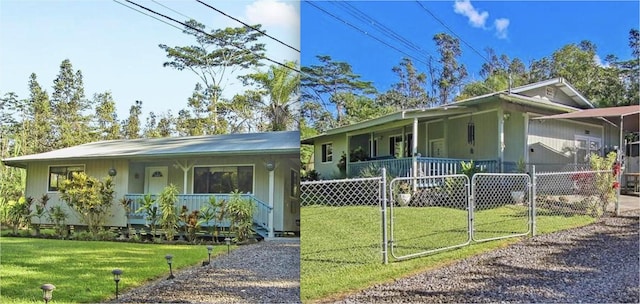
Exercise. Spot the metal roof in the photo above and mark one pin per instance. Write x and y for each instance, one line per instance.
(629, 114)
(240, 143)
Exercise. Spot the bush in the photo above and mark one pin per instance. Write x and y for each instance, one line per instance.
(90, 198)
(58, 217)
(240, 214)
(170, 216)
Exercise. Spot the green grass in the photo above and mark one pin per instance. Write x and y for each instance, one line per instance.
(81, 270)
(341, 246)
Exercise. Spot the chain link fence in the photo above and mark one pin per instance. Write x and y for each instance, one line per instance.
(428, 214)
(341, 221)
(501, 206)
(563, 198)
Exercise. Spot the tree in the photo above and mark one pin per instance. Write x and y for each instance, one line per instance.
(326, 81)
(452, 73)
(39, 118)
(276, 95)
(131, 126)
(71, 125)
(212, 57)
(106, 118)
(409, 92)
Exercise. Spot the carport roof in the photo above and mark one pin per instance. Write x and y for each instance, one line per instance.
(229, 144)
(629, 114)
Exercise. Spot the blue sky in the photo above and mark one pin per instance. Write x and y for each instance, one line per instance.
(117, 49)
(527, 30)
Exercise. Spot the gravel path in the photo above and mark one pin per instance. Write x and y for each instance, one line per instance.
(265, 272)
(596, 264)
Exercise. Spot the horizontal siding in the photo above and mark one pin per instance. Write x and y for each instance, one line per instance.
(553, 140)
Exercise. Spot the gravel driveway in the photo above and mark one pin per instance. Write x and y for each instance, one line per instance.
(265, 272)
(596, 264)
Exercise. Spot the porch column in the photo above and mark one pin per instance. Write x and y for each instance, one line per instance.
(414, 149)
(501, 139)
(185, 169)
(619, 156)
(271, 194)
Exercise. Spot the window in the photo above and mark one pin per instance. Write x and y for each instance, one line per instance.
(586, 145)
(327, 153)
(223, 179)
(398, 148)
(57, 174)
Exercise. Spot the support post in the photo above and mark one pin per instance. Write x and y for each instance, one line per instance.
(501, 139)
(533, 200)
(383, 203)
(271, 195)
(619, 159)
(414, 152)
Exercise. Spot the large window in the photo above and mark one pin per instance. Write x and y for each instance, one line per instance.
(221, 179)
(398, 148)
(327, 153)
(586, 145)
(57, 174)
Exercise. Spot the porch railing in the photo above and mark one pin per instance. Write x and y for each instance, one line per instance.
(196, 202)
(427, 166)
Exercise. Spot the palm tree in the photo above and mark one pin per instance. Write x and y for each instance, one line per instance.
(276, 95)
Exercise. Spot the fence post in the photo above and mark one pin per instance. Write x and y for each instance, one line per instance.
(383, 201)
(533, 200)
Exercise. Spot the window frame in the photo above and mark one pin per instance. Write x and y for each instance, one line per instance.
(324, 157)
(193, 176)
(84, 169)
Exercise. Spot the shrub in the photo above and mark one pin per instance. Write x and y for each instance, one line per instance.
(41, 210)
(19, 213)
(58, 217)
(90, 198)
(212, 214)
(240, 214)
(169, 219)
(152, 214)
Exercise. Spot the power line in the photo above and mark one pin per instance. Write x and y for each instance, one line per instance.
(177, 12)
(363, 31)
(452, 32)
(211, 36)
(247, 25)
(154, 17)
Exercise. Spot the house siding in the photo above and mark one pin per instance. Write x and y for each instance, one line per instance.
(514, 137)
(329, 170)
(486, 136)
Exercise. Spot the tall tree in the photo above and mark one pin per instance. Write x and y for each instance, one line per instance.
(409, 91)
(106, 118)
(71, 124)
(452, 72)
(131, 126)
(39, 118)
(324, 84)
(277, 92)
(214, 55)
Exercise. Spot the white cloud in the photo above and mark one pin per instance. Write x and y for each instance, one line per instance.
(502, 24)
(599, 62)
(272, 13)
(476, 18)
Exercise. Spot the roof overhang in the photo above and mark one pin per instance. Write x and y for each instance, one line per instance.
(628, 115)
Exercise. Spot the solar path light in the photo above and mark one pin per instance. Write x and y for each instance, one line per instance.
(169, 259)
(47, 292)
(116, 278)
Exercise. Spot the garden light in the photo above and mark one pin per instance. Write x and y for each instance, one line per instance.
(116, 278)
(209, 250)
(228, 241)
(169, 259)
(47, 292)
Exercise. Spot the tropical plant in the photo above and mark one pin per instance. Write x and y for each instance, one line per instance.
(58, 217)
(240, 215)
(19, 213)
(212, 214)
(152, 214)
(170, 216)
(605, 182)
(90, 198)
(126, 204)
(469, 169)
(41, 210)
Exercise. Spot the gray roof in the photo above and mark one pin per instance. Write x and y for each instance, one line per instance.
(241, 143)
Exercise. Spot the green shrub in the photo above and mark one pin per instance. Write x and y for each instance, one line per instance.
(170, 216)
(90, 198)
(240, 214)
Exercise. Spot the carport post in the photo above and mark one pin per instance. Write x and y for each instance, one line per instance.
(271, 194)
(619, 156)
(533, 200)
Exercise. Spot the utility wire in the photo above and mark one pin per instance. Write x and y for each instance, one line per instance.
(210, 36)
(177, 12)
(452, 32)
(154, 17)
(364, 32)
(247, 25)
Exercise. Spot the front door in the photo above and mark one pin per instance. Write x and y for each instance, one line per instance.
(156, 179)
(292, 203)
(437, 148)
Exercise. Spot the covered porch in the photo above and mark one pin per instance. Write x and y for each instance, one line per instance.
(426, 166)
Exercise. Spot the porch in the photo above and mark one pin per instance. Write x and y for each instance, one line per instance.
(425, 166)
(262, 216)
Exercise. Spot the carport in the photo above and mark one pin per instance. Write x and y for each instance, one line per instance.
(625, 118)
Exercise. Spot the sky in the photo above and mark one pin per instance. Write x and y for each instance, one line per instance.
(116, 48)
(525, 29)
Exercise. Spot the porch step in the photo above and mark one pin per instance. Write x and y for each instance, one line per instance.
(260, 232)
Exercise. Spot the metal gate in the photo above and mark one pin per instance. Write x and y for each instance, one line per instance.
(501, 206)
(436, 213)
(428, 214)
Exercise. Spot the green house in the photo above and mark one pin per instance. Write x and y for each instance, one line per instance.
(496, 130)
(263, 167)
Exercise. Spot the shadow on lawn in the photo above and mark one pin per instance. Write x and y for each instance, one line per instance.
(565, 273)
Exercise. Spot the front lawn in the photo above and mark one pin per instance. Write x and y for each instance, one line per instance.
(341, 246)
(81, 270)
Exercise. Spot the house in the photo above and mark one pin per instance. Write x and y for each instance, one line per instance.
(496, 130)
(264, 167)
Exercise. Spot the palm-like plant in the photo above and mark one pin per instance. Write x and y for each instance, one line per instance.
(170, 215)
(151, 212)
(212, 214)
